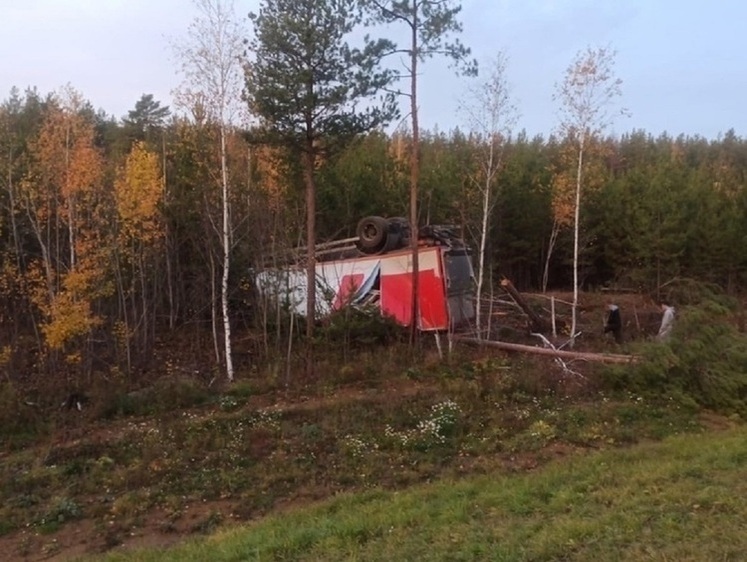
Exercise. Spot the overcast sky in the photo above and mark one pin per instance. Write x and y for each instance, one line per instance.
(683, 62)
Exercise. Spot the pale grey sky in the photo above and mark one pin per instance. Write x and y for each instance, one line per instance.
(683, 62)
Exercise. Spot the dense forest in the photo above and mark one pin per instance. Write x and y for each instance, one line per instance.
(111, 237)
(125, 235)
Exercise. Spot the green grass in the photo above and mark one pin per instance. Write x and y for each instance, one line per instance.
(470, 417)
(681, 499)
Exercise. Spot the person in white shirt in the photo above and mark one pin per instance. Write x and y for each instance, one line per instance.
(667, 321)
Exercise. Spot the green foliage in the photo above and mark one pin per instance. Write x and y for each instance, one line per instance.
(241, 390)
(62, 510)
(667, 209)
(523, 217)
(703, 364)
(147, 117)
(165, 395)
(433, 430)
(304, 79)
(365, 179)
(446, 162)
(433, 23)
(684, 291)
(21, 420)
(355, 327)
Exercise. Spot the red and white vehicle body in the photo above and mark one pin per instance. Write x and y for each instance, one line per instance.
(384, 280)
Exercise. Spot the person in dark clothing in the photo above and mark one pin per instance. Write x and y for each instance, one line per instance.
(614, 322)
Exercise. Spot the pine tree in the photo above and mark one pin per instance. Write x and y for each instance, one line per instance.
(306, 83)
(429, 25)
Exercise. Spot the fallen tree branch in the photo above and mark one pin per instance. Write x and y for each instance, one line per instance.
(559, 360)
(538, 324)
(599, 357)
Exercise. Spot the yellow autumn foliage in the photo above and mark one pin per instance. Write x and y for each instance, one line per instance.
(564, 180)
(70, 318)
(65, 201)
(69, 314)
(268, 164)
(139, 192)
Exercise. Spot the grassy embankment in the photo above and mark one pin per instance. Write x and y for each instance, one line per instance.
(677, 500)
(180, 459)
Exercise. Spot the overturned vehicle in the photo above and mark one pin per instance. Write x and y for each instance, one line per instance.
(374, 269)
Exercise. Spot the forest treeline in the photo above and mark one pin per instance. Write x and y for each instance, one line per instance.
(111, 236)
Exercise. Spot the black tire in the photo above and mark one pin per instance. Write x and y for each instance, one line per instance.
(372, 234)
(393, 242)
(399, 232)
(399, 224)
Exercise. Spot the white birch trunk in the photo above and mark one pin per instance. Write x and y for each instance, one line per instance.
(550, 248)
(483, 236)
(586, 95)
(213, 305)
(213, 75)
(492, 115)
(576, 216)
(226, 257)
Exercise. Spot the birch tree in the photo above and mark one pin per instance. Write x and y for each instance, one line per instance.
(563, 188)
(138, 193)
(563, 202)
(588, 104)
(491, 115)
(430, 25)
(66, 207)
(211, 66)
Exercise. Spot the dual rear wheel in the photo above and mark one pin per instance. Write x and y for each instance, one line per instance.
(377, 235)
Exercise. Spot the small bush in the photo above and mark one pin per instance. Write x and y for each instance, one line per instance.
(241, 390)
(432, 431)
(63, 510)
(165, 395)
(357, 328)
(693, 292)
(21, 421)
(228, 403)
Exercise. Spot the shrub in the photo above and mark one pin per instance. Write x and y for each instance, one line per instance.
(165, 395)
(684, 291)
(703, 364)
(21, 421)
(64, 509)
(360, 327)
(432, 431)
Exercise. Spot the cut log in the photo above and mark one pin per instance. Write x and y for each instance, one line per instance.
(538, 324)
(585, 356)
